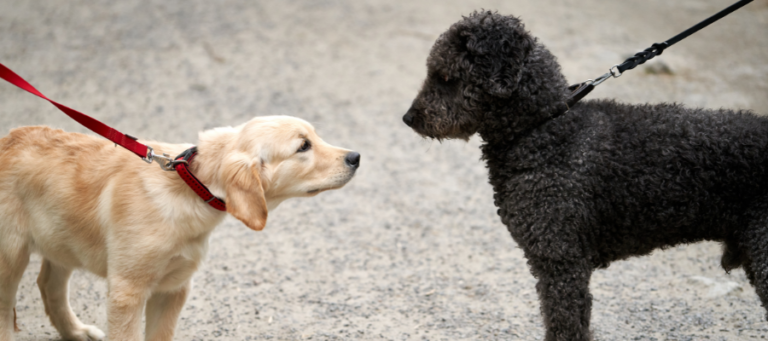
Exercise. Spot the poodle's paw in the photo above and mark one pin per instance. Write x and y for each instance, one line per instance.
(85, 333)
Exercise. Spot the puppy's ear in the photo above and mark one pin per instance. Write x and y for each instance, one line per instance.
(245, 193)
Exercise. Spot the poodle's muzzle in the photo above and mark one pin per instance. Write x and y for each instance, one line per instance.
(409, 116)
(415, 120)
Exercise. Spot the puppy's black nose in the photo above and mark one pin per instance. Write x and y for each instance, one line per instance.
(408, 117)
(353, 159)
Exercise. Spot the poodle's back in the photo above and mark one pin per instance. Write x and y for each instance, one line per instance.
(647, 175)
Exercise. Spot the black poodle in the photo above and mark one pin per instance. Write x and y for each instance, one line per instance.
(602, 182)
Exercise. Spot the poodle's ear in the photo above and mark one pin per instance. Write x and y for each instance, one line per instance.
(498, 47)
(245, 193)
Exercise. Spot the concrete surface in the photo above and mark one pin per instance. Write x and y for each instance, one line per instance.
(412, 248)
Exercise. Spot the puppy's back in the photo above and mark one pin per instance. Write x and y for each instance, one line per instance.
(43, 159)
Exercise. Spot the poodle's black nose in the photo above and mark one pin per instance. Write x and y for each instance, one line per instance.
(353, 159)
(408, 117)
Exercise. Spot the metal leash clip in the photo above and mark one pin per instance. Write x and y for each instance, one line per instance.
(603, 78)
(615, 72)
(165, 161)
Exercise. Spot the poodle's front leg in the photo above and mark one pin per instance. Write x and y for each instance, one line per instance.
(563, 289)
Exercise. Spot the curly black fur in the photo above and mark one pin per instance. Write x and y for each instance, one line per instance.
(603, 182)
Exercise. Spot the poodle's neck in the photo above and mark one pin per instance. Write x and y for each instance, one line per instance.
(542, 91)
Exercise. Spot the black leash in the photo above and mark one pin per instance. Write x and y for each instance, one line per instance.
(578, 91)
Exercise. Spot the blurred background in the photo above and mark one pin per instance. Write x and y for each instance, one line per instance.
(412, 248)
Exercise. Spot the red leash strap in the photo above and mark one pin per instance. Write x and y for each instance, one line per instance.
(87, 121)
(145, 152)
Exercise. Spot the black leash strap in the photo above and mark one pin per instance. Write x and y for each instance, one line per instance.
(578, 91)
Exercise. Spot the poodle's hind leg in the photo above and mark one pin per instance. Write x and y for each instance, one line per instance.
(566, 303)
(755, 245)
(53, 282)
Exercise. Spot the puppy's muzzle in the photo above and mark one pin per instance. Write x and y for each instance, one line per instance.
(352, 160)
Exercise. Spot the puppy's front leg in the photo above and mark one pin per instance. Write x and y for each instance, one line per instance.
(162, 312)
(127, 297)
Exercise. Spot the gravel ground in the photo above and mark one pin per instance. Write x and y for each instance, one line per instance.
(412, 247)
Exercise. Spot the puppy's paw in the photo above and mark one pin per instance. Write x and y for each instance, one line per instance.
(95, 334)
(86, 333)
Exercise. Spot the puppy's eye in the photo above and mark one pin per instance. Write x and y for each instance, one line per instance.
(304, 146)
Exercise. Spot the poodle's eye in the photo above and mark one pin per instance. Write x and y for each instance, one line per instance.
(441, 78)
(304, 146)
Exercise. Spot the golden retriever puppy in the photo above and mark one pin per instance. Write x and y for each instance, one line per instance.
(82, 203)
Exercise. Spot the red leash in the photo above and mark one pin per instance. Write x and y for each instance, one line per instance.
(126, 141)
(89, 122)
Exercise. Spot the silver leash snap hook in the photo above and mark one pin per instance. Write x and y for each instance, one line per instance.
(165, 161)
(615, 73)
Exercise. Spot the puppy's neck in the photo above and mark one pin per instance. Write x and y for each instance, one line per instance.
(212, 147)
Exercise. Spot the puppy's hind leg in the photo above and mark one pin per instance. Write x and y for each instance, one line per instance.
(14, 258)
(53, 282)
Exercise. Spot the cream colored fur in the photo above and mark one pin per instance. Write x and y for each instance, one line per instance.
(80, 202)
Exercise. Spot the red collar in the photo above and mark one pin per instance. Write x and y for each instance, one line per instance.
(181, 164)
